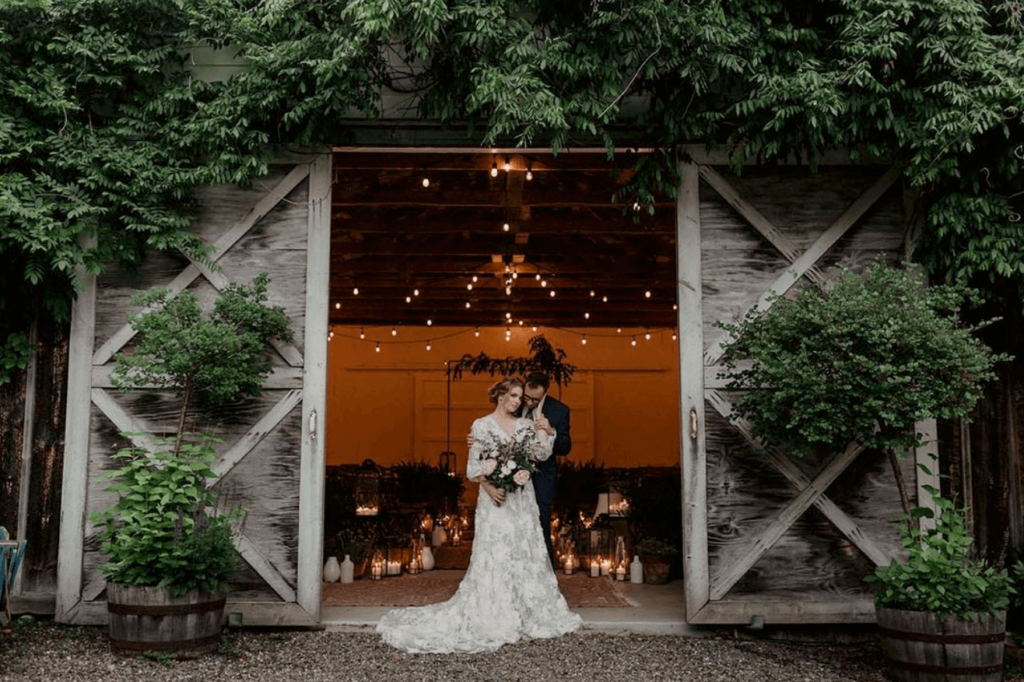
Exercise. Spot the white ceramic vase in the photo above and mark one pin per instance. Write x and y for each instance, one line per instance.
(428, 558)
(636, 570)
(332, 570)
(347, 570)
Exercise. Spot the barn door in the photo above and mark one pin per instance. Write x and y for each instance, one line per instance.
(271, 459)
(767, 538)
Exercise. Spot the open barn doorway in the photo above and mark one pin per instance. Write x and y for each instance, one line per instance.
(440, 254)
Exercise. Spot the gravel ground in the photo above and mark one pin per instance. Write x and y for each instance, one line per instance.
(45, 652)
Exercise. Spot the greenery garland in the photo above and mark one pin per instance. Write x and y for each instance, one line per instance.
(105, 132)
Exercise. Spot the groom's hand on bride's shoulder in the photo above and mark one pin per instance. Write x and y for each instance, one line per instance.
(470, 440)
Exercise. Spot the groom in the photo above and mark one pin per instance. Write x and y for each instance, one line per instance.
(537, 403)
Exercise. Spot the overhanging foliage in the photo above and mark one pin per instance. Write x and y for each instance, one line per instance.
(104, 132)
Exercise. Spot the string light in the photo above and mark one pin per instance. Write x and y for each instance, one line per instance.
(675, 306)
(647, 294)
(604, 299)
(633, 341)
(361, 334)
(467, 305)
(534, 327)
(647, 336)
(428, 344)
(529, 170)
(355, 291)
(584, 340)
(415, 292)
(619, 330)
(592, 294)
(394, 332)
(429, 322)
(586, 316)
(469, 287)
(476, 332)
(508, 164)
(475, 278)
(674, 337)
(426, 182)
(537, 277)
(408, 299)
(337, 306)
(376, 348)
(543, 283)
(505, 227)
(494, 169)
(508, 316)
(552, 293)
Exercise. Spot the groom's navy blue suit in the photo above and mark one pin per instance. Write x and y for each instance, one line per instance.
(544, 481)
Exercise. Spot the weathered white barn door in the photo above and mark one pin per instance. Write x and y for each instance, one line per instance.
(271, 460)
(768, 538)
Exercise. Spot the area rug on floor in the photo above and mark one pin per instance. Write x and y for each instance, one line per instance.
(430, 587)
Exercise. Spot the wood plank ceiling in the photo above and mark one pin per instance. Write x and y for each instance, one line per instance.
(412, 231)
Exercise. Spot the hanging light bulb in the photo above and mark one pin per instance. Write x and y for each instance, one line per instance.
(429, 322)
(520, 323)
(505, 227)
(675, 306)
(537, 277)
(619, 330)
(361, 334)
(529, 170)
(674, 336)
(376, 348)
(584, 340)
(408, 299)
(468, 305)
(552, 293)
(475, 279)
(337, 306)
(637, 207)
(647, 336)
(633, 341)
(394, 332)
(428, 344)
(508, 290)
(415, 292)
(469, 287)
(355, 291)
(508, 316)
(476, 332)
(543, 283)
(494, 169)
(426, 182)
(592, 293)
(604, 299)
(647, 294)
(508, 164)
(534, 327)
(586, 316)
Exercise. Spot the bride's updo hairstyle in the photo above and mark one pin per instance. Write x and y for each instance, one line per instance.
(501, 388)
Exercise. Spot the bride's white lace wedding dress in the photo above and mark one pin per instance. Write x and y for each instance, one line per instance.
(509, 591)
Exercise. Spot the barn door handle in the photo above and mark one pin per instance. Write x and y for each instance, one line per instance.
(312, 425)
(693, 423)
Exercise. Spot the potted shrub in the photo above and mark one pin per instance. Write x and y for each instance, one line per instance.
(170, 549)
(941, 612)
(657, 555)
(862, 361)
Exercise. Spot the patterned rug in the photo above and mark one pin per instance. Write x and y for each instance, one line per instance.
(430, 587)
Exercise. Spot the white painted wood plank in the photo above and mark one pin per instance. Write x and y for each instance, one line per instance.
(219, 248)
(801, 265)
(137, 429)
(28, 425)
(928, 456)
(254, 436)
(76, 450)
(314, 404)
(757, 220)
(94, 588)
(693, 462)
(280, 378)
(847, 526)
(787, 612)
(264, 568)
(734, 564)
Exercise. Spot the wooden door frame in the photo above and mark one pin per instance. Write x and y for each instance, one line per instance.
(704, 595)
(308, 369)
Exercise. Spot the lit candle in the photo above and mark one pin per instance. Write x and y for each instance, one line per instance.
(620, 572)
(569, 564)
(606, 566)
(595, 568)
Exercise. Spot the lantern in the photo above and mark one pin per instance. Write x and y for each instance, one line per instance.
(367, 489)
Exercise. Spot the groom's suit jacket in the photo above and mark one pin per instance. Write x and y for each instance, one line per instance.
(557, 413)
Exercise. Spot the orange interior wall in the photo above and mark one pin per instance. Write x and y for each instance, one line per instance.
(392, 405)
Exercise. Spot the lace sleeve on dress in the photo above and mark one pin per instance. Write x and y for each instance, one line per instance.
(473, 460)
(542, 446)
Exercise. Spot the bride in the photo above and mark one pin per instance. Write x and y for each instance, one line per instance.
(509, 591)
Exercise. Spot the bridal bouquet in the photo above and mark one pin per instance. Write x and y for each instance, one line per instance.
(509, 465)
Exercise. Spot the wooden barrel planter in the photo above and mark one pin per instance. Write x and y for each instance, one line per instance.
(656, 569)
(150, 619)
(919, 646)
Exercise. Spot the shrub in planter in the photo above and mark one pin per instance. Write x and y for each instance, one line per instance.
(170, 550)
(941, 611)
(657, 556)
